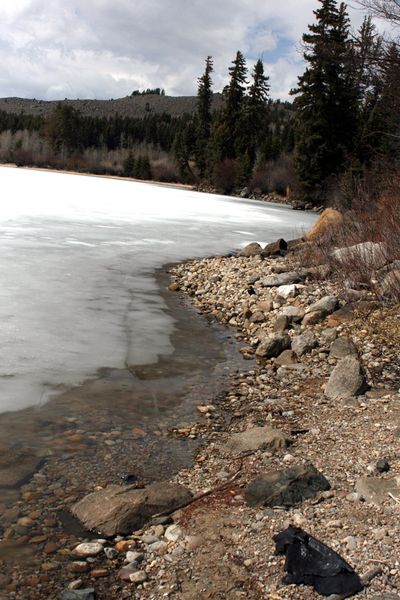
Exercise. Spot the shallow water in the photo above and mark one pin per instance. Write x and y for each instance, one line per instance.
(77, 262)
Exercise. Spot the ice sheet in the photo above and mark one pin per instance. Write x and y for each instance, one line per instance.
(77, 261)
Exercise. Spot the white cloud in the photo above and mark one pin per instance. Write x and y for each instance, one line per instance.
(107, 48)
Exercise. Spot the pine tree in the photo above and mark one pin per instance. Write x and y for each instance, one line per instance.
(129, 165)
(204, 117)
(226, 131)
(326, 101)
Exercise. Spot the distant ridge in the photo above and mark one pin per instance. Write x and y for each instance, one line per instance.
(130, 106)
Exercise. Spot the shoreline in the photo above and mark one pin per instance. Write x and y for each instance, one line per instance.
(223, 545)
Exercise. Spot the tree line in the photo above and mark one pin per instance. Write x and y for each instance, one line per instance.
(342, 127)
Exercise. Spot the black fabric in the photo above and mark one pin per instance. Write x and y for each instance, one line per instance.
(310, 562)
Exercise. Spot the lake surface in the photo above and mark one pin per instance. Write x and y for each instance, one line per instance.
(78, 256)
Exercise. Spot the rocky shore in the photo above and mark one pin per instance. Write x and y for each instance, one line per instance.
(308, 436)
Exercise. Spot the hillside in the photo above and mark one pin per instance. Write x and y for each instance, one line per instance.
(130, 106)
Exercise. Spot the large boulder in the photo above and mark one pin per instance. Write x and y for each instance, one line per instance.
(17, 466)
(326, 305)
(256, 438)
(273, 345)
(343, 347)
(367, 255)
(329, 219)
(286, 488)
(294, 313)
(347, 379)
(304, 343)
(119, 511)
(282, 279)
(376, 491)
(275, 248)
(253, 249)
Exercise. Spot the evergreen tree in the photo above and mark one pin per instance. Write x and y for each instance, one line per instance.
(129, 165)
(227, 128)
(326, 100)
(204, 117)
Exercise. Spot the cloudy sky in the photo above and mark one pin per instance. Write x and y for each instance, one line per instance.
(53, 49)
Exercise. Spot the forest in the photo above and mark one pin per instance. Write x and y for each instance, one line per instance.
(339, 135)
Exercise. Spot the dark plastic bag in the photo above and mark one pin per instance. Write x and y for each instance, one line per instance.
(310, 562)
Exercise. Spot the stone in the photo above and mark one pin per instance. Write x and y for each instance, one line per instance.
(173, 533)
(329, 335)
(124, 545)
(304, 343)
(343, 347)
(17, 466)
(125, 573)
(97, 573)
(312, 318)
(281, 324)
(287, 291)
(256, 438)
(282, 279)
(257, 317)
(382, 465)
(264, 306)
(88, 549)
(138, 577)
(78, 566)
(375, 490)
(287, 487)
(83, 594)
(273, 346)
(110, 553)
(369, 255)
(390, 285)
(275, 248)
(118, 510)
(326, 305)
(294, 314)
(252, 249)
(288, 357)
(347, 379)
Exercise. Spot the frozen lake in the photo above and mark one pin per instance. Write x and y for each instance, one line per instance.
(77, 261)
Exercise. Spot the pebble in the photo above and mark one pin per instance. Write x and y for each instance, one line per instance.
(138, 577)
(173, 533)
(88, 549)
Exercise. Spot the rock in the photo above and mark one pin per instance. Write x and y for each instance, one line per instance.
(85, 594)
(350, 310)
(252, 249)
(329, 335)
(294, 314)
(282, 279)
(275, 248)
(288, 357)
(368, 255)
(390, 285)
(382, 465)
(132, 556)
(98, 573)
(287, 291)
(110, 553)
(329, 219)
(327, 305)
(273, 346)
(256, 438)
(16, 466)
(313, 318)
(173, 533)
(281, 324)
(343, 347)
(78, 566)
(264, 306)
(88, 549)
(347, 379)
(286, 488)
(257, 317)
(125, 573)
(376, 491)
(117, 510)
(138, 577)
(304, 343)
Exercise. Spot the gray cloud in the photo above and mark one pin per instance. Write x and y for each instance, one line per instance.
(107, 48)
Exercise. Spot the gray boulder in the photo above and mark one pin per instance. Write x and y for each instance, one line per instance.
(252, 249)
(281, 324)
(273, 346)
(287, 358)
(369, 255)
(347, 379)
(256, 438)
(85, 594)
(294, 313)
(286, 488)
(375, 490)
(275, 248)
(326, 306)
(282, 279)
(343, 347)
(121, 510)
(304, 343)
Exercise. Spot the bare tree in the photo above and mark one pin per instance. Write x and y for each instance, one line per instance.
(384, 9)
